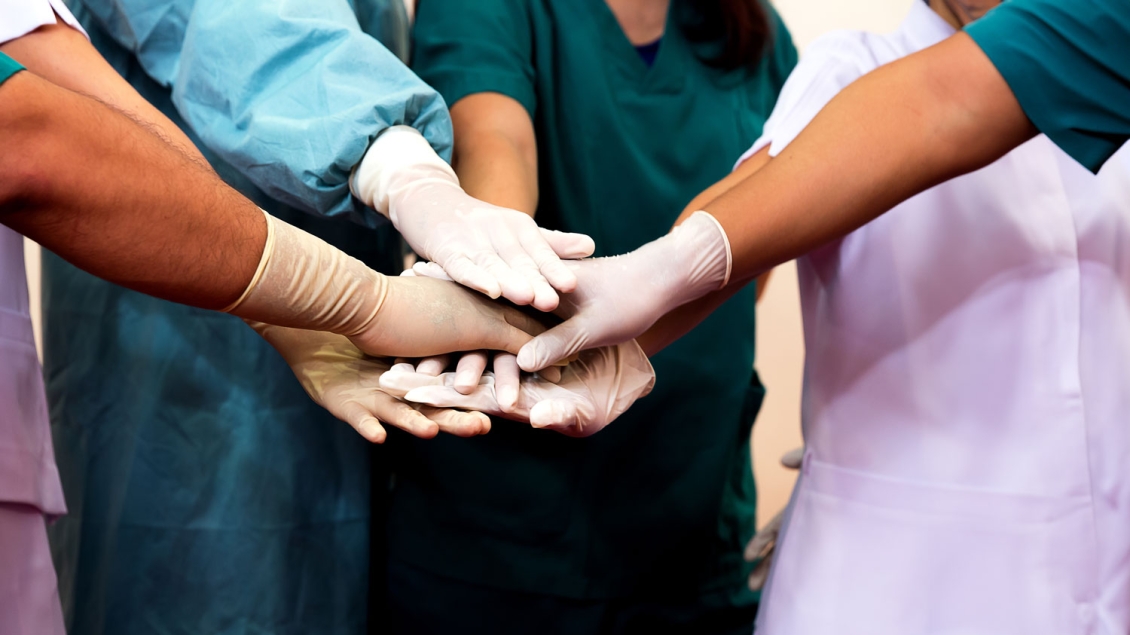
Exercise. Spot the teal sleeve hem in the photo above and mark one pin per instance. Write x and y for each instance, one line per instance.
(1062, 72)
(291, 93)
(455, 84)
(8, 67)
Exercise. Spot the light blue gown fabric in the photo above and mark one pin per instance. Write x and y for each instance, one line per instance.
(208, 495)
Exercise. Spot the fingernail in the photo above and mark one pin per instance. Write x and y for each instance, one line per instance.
(372, 430)
(465, 382)
(527, 357)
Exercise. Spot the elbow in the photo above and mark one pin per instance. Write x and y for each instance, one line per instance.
(24, 175)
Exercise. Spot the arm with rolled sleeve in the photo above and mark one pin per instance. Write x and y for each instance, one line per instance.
(291, 93)
(298, 98)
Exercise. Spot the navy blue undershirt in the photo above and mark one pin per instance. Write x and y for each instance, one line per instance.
(649, 51)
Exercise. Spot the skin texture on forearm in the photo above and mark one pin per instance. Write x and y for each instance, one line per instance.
(62, 56)
(680, 321)
(114, 199)
(898, 131)
(496, 151)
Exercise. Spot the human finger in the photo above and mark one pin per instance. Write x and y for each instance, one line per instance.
(760, 574)
(545, 296)
(513, 285)
(548, 262)
(399, 382)
(793, 458)
(469, 370)
(482, 399)
(764, 538)
(559, 414)
(433, 366)
(469, 274)
(559, 342)
(568, 246)
(457, 422)
(365, 414)
(507, 377)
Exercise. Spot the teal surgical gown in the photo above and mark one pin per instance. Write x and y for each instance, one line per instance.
(208, 495)
(1068, 63)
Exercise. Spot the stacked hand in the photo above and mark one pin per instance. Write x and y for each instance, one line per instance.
(577, 400)
(619, 298)
(346, 382)
(498, 251)
(303, 282)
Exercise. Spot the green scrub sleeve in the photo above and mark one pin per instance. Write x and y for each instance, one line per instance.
(461, 48)
(1068, 63)
(8, 67)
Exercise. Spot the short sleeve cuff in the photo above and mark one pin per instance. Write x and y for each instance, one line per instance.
(8, 67)
(457, 84)
(1066, 92)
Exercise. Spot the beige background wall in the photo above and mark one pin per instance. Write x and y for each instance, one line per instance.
(779, 341)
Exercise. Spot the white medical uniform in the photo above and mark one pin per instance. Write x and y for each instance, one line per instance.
(966, 406)
(30, 491)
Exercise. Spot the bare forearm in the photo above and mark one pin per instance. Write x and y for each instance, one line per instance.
(680, 321)
(495, 151)
(113, 198)
(62, 56)
(896, 132)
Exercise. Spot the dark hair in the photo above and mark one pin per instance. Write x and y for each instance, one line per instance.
(739, 29)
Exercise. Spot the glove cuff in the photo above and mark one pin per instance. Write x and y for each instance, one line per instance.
(399, 157)
(702, 250)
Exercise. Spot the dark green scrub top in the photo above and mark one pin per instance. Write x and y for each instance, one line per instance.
(663, 499)
(1068, 63)
(8, 67)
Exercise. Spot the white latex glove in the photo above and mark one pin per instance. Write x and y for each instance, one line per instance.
(762, 546)
(346, 382)
(492, 249)
(619, 298)
(303, 282)
(592, 391)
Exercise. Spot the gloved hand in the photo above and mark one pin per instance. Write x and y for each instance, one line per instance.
(762, 546)
(492, 249)
(346, 382)
(618, 298)
(590, 393)
(303, 282)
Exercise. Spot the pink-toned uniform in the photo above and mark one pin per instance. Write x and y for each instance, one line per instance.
(966, 406)
(30, 491)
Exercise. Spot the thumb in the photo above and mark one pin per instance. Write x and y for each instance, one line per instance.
(557, 343)
(568, 246)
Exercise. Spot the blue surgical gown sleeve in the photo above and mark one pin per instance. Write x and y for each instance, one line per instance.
(290, 92)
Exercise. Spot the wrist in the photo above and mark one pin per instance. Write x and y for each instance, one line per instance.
(396, 162)
(700, 254)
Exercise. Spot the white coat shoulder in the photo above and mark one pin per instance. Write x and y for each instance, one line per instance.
(20, 17)
(835, 60)
(828, 65)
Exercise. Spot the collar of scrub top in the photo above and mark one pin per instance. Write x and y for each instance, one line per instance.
(924, 27)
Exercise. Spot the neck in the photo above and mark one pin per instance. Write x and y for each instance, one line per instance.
(941, 8)
(643, 21)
